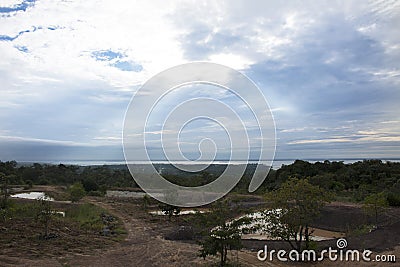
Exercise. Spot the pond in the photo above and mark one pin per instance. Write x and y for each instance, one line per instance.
(33, 195)
(258, 221)
(182, 212)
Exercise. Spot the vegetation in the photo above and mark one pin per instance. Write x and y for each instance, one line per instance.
(76, 192)
(374, 204)
(44, 213)
(295, 205)
(169, 210)
(353, 182)
(4, 191)
(226, 235)
(295, 202)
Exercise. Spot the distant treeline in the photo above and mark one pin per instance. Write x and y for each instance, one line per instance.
(356, 180)
(92, 177)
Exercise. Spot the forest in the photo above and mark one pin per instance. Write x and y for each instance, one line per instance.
(351, 182)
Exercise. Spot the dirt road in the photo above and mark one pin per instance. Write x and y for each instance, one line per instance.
(144, 246)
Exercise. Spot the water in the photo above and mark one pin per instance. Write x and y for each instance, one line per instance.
(33, 195)
(258, 229)
(182, 212)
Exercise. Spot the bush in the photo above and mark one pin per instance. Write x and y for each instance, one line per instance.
(76, 192)
(90, 185)
(393, 199)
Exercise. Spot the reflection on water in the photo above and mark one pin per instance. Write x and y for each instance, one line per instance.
(259, 222)
(33, 195)
(183, 212)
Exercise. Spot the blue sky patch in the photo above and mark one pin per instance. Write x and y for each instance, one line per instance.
(23, 6)
(116, 60)
(127, 66)
(107, 55)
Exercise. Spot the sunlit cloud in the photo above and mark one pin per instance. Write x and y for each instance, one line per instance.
(329, 70)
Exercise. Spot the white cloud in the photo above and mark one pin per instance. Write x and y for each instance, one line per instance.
(308, 57)
(234, 61)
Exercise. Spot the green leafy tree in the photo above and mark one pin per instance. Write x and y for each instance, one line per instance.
(4, 191)
(76, 192)
(220, 240)
(375, 204)
(90, 184)
(295, 204)
(223, 237)
(44, 214)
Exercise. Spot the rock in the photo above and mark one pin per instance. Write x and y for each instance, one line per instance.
(106, 231)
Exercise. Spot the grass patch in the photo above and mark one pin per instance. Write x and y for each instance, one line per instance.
(87, 215)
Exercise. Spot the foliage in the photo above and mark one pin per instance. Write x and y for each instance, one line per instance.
(44, 214)
(393, 199)
(355, 181)
(295, 205)
(87, 215)
(76, 192)
(374, 204)
(4, 191)
(89, 184)
(225, 236)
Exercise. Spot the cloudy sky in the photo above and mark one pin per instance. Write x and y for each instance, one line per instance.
(329, 70)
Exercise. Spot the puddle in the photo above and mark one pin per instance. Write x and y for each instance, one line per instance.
(183, 212)
(33, 195)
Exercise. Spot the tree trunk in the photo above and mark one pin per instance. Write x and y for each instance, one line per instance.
(298, 242)
(222, 263)
(307, 236)
(46, 229)
(225, 254)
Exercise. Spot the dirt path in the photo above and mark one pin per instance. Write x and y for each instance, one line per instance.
(144, 247)
(141, 247)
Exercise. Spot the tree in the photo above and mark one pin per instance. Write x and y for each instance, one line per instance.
(221, 239)
(225, 236)
(374, 204)
(76, 192)
(4, 190)
(295, 205)
(90, 184)
(44, 214)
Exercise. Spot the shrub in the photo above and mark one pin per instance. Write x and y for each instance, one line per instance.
(393, 199)
(76, 192)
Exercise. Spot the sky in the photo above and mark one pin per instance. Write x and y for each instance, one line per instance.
(329, 70)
